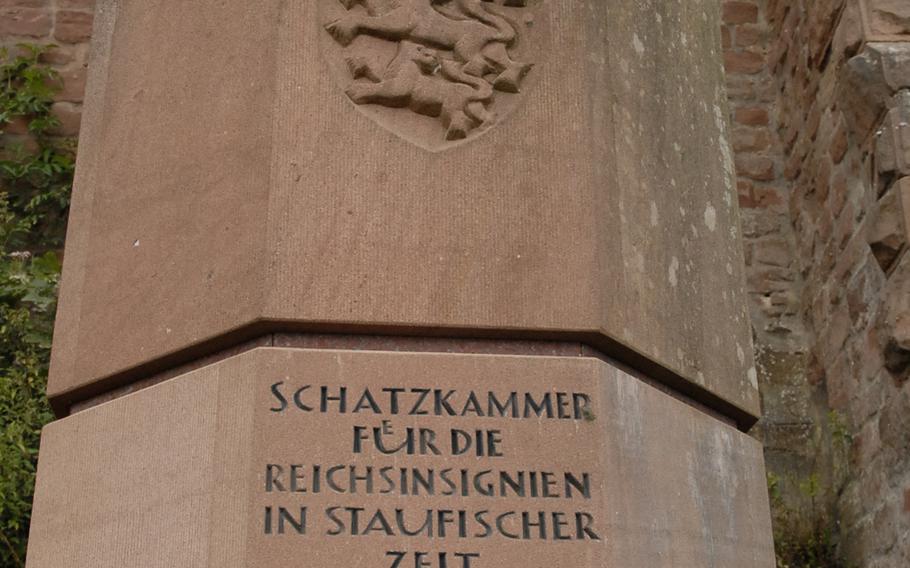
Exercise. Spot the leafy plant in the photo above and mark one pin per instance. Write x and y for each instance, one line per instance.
(36, 172)
(806, 528)
(805, 537)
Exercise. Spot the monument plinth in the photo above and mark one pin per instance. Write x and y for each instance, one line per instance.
(429, 283)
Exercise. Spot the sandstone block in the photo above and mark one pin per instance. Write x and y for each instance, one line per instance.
(268, 183)
(849, 34)
(894, 321)
(60, 55)
(758, 168)
(279, 454)
(887, 17)
(751, 116)
(25, 21)
(839, 144)
(871, 78)
(72, 26)
(750, 139)
(897, 126)
(70, 118)
(736, 12)
(748, 36)
(889, 231)
(822, 18)
(725, 37)
(73, 85)
(83, 5)
(745, 62)
(24, 3)
(774, 252)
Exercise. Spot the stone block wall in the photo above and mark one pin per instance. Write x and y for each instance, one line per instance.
(793, 407)
(832, 77)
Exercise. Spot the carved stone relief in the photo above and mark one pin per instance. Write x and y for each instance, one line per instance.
(435, 72)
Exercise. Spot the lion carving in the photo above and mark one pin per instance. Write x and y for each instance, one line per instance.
(452, 55)
(409, 82)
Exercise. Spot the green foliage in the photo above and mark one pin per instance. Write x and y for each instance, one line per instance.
(806, 528)
(804, 537)
(35, 177)
(28, 88)
(36, 172)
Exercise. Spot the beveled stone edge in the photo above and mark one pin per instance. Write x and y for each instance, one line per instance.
(267, 333)
(870, 34)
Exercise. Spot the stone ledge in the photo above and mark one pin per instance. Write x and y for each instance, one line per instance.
(886, 20)
(870, 80)
(361, 343)
(890, 218)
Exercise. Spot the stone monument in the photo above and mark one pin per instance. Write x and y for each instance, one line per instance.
(403, 283)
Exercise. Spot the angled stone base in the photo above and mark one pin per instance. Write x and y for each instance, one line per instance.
(504, 461)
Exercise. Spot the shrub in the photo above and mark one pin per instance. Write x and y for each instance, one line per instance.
(35, 178)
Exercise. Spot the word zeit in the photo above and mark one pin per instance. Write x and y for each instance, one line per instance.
(370, 479)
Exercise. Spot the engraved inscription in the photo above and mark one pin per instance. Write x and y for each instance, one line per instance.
(449, 60)
(428, 477)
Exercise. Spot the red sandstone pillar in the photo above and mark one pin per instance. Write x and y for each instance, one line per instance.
(416, 284)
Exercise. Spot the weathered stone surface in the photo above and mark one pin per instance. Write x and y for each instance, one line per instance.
(24, 21)
(178, 474)
(745, 62)
(72, 26)
(242, 191)
(895, 321)
(870, 80)
(740, 12)
(897, 126)
(833, 78)
(894, 430)
(888, 17)
(850, 32)
(889, 232)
